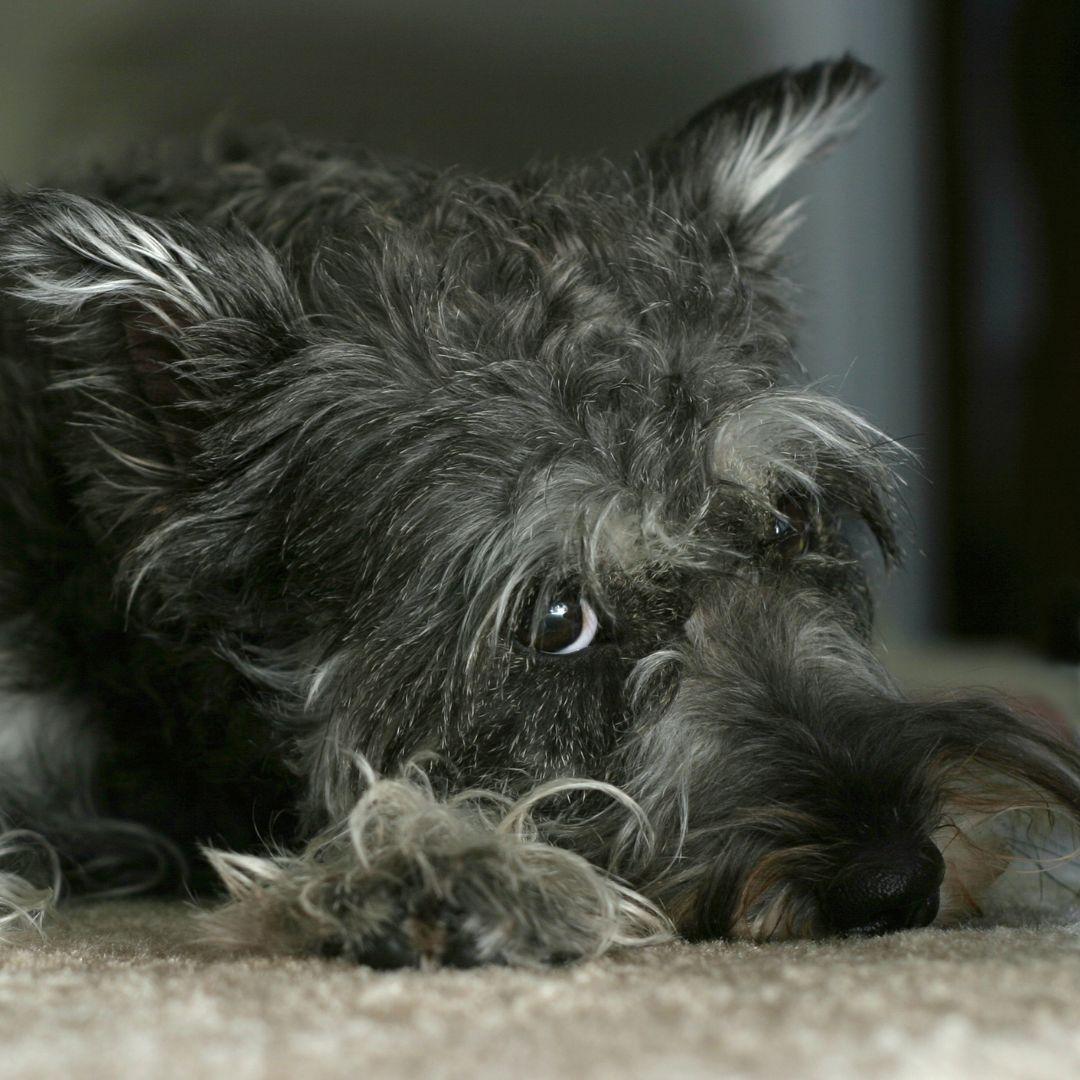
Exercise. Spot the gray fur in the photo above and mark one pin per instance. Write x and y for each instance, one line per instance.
(321, 466)
(409, 879)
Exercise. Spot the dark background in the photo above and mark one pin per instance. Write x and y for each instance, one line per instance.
(937, 261)
(1011, 258)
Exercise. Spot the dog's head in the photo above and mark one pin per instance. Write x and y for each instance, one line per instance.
(522, 474)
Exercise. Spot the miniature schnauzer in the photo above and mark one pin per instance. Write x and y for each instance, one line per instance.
(461, 564)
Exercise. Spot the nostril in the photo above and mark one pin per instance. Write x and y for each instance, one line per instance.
(886, 889)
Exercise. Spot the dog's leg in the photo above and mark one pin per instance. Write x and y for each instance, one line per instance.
(52, 839)
(409, 880)
(44, 758)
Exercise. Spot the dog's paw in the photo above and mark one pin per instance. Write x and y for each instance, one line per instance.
(472, 909)
(420, 931)
(409, 881)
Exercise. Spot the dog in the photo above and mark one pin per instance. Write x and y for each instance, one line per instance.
(464, 566)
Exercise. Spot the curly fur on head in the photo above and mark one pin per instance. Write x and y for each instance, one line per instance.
(312, 457)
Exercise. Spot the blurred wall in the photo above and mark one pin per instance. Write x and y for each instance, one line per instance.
(491, 83)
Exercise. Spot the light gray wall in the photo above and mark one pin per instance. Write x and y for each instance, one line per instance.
(490, 83)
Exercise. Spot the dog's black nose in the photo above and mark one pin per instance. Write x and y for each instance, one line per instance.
(886, 889)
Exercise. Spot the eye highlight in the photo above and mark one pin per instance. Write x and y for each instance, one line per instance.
(569, 625)
(791, 529)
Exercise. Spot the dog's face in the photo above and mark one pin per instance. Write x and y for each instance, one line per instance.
(518, 474)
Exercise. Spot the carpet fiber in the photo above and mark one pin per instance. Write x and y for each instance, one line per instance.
(116, 992)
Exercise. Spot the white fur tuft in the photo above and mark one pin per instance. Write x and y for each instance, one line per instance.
(24, 904)
(401, 851)
(774, 141)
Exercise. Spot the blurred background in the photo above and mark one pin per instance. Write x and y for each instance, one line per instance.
(937, 257)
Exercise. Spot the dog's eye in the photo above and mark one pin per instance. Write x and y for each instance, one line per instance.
(791, 528)
(568, 626)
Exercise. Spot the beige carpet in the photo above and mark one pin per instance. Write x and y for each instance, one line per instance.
(118, 991)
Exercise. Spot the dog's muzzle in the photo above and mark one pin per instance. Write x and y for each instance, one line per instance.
(885, 889)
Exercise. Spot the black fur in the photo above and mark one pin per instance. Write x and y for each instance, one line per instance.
(300, 447)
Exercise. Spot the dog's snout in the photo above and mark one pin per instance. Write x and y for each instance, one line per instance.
(887, 889)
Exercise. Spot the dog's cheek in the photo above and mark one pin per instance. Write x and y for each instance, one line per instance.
(543, 717)
(838, 573)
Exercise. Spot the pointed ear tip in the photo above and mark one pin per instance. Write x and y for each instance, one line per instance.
(850, 72)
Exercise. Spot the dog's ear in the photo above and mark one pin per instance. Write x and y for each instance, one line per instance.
(179, 308)
(722, 166)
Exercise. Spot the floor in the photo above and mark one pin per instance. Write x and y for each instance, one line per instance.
(117, 991)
